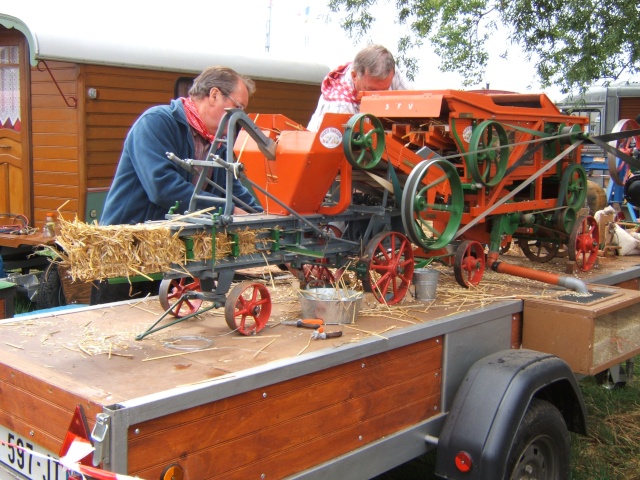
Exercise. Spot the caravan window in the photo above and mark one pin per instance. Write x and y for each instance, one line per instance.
(594, 126)
(183, 84)
(9, 87)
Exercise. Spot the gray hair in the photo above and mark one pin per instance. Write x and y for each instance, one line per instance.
(374, 60)
(224, 78)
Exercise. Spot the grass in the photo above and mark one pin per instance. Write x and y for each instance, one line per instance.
(22, 304)
(611, 451)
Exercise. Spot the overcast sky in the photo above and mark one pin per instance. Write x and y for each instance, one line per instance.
(320, 34)
(297, 29)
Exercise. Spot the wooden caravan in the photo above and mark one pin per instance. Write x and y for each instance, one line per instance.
(69, 99)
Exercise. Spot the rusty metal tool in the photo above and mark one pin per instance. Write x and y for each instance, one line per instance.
(320, 334)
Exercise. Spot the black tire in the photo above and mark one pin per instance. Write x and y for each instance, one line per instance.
(50, 293)
(541, 448)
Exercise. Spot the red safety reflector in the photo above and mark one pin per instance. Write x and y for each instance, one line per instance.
(463, 461)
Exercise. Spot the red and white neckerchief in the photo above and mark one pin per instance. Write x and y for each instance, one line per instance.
(194, 119)
(337, 87)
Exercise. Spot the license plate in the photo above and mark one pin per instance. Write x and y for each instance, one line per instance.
(24, 462)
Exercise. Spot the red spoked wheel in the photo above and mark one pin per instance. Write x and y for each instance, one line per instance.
(618, 169)
(539, 250)
(248, 308)
(316, 274)
(171, 292)
(584, 243)
(391, 267)
(469, 262)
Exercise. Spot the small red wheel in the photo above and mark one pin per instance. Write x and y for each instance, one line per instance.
(315, 274)
(584, 243)
(469, 262)
(171, 292)
(248, 308)
(539, 250)
(391, 267)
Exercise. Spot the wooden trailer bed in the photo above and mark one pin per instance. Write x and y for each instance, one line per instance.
(276, 404)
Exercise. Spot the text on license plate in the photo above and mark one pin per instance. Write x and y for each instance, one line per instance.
(24, 462)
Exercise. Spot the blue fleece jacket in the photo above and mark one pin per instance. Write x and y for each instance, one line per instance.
(147, 184)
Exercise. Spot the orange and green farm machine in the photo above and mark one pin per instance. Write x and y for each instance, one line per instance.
(415, 177)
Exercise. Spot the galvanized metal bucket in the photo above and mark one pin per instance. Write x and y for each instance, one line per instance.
(426, 282)
(330, 304)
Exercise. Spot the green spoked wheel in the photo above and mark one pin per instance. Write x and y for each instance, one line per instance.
(565, 219)
(488, 155)
(432, 204)
(573, 187)
(363, 141)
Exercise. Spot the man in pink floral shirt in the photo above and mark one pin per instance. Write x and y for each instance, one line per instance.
(374, 68)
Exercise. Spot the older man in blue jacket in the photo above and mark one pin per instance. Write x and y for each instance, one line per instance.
(147, 184)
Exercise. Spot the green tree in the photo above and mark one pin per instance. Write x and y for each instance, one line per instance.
(573, 43)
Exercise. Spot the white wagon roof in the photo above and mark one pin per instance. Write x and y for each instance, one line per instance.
(138, 34)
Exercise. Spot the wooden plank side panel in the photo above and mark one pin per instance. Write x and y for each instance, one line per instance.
(295, 101)
(5, 194)
(11, 172)
(38, 409)
(59, 191)
(323, 449)
(56, 139)
(197, 414)
(633, 284)
(62, 166)
(55, 128)
(629, 107)
(68, 154)
(304, 421)
(122, 95)
(105, 78)
(53, 114)
(46, 141)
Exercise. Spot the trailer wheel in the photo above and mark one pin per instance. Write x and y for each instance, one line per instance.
(50, 293)
(541, 448)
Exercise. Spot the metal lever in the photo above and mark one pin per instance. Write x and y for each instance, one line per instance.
(100, 438)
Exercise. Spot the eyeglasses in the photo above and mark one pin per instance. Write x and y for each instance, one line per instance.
(235, 102)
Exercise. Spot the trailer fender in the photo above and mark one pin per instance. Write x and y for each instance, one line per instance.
(491, 402)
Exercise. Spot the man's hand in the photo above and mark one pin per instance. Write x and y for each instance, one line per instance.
(239, 211)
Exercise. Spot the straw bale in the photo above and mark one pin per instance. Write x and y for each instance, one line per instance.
(95, 252)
